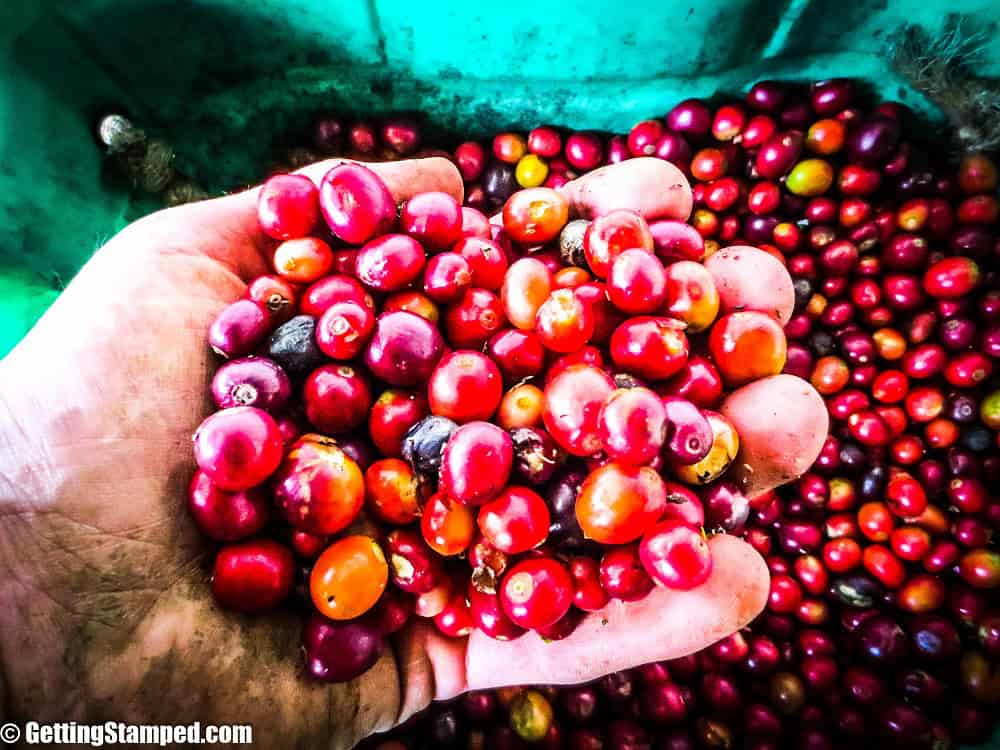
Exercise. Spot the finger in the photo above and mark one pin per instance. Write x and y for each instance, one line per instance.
(782, 423)
(654, 188)
(431, 667)
(665, 625)
(404, 178)
(226, 228)
(750, 279)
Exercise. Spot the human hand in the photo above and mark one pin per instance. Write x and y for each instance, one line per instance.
(104, 609)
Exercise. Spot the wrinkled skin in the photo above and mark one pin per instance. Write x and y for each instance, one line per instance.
(105, 612)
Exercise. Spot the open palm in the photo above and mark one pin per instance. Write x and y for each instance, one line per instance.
(104, 609)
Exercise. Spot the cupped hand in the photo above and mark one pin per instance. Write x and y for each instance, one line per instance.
(105, 612)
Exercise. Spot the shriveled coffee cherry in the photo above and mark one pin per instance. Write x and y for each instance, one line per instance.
(239, 328)
(610, 235)
(251, 381)
(617, 503)
(414, 567)
(687, 436)
(390, 262)
(536, 456)
(254, 576)
(622, 576)
(339, 651)
(465, 386)
(227, 516)
(476, 463)
(447, 525)
(676, 555)
(238, 448)
(536, 592)
(424, 443)
(337, 398)
(349, 577)
(633, 426)
(573, 402)
(691, 296)
(404, 349)
(471, 320)
(637, 282)
(293, 346)
(356, 203)
(318, 488)
(650, 347)
(564, 323)
(535, 216)
(746, 346)
(434, 219)
(288, 206)
(725, 446)
(515, 521)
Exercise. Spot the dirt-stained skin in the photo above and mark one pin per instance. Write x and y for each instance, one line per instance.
(105, 611)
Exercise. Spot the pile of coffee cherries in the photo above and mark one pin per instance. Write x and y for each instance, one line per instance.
(494, 426)
(883, 622)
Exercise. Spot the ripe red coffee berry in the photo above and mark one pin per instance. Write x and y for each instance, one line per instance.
(573, 402)
(616, 503)
(515, 521)
(337, 398)
(650, 347)
(633, 425)
(676, 555)
(288, 207)
(356, 203)
(476, 462)
(465, 386)
(253, 576)
(637, 282)
(404, 349)
(227, 516)
(433, 219)
(238, 448)
(390, 262)
(746, 346)
(344, 329)
(610, 235)
(318, 488)
(536, 592)
(564, 323)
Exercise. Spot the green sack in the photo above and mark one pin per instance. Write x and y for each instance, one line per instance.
(222, 79)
